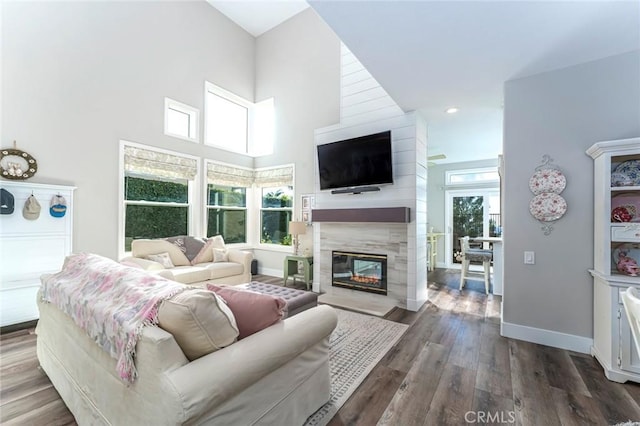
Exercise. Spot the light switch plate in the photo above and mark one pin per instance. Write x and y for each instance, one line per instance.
(529, 258)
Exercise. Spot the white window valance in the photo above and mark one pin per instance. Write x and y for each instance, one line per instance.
(159, 164)
(227, 175)
(277, 176)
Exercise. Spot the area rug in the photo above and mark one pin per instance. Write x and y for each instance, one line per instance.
(357, 344)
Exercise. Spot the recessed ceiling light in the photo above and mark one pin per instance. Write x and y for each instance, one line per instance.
(451, 110)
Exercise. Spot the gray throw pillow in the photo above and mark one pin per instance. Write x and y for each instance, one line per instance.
(190, 246)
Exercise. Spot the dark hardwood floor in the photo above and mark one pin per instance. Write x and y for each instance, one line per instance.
(451, 367)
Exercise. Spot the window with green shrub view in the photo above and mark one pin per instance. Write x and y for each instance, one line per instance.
(275, 214)
(227, 213)
(155, 208)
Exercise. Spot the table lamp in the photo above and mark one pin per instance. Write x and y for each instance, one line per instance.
(295, 229)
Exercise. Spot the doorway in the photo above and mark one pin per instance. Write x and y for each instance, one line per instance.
(472, 212)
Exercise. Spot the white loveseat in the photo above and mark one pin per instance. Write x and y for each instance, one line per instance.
(276, 376)
(236, 270)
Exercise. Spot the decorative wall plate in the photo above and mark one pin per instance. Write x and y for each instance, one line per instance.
(547, 207)
(623, 213)
(621, 179)
(17, 165)
(625, 258)
(628, 200)
(631, 169)
(547, 180)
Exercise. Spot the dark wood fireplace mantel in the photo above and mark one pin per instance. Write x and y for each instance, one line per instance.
(382, 214)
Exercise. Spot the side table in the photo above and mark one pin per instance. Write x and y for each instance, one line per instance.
(291, 269)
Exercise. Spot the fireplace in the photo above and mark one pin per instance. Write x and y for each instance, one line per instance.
(359, 271)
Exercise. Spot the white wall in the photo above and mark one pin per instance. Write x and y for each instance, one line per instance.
(437, 200)
(79, 76)
(559, 113)
(298, 63)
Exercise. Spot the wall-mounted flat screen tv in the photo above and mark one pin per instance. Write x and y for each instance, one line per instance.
(361, 161)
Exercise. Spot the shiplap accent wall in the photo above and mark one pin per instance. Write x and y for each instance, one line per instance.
(416, 296)
(365, 109)
(362, 99)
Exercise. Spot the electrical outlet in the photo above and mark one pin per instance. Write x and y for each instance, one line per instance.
(529, 258)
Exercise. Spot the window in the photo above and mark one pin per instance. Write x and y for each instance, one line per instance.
(262, 128)
(227, 123)
(270, 202)
(236, 124)
(227, 119)
(157, 193)
(227, 213)
(227, 201)
(276, 203)
(472, 176)
(155, 208)
(275, 215)
(180, 120)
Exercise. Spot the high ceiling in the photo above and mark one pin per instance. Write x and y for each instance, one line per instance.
(431, 55)
(259, 16)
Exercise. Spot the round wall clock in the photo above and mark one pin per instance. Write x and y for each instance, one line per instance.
(17, 165)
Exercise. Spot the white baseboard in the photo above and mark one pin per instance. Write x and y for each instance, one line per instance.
(547, 337)
(270, 272)
(414, 305)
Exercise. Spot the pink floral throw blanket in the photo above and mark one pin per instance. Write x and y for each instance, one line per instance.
(110, 301)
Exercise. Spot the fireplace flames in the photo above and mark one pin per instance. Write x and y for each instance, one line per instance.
(365, 279)
(359, 271)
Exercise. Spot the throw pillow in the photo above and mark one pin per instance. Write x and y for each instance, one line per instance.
(253, 311)
(162, 258)
(199, 320)
(190, 246)
(206, 252)
(143, 247)
(220, 255)
(218, 242)
(178, 242)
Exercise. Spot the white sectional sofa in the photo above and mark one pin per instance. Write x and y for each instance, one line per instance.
(236, 270)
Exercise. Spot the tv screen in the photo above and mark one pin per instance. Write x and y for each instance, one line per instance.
(361, 161)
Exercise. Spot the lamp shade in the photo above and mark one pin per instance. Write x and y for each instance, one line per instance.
(297, 228)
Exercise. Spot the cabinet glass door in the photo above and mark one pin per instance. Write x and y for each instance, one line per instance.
(625, 215)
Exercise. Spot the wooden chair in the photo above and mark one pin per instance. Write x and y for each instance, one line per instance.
(631, 302)
(479, 255)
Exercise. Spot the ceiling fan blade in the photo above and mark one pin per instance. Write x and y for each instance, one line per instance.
(436, 157)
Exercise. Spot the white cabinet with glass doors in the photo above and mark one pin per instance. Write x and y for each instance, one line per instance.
(616, 254)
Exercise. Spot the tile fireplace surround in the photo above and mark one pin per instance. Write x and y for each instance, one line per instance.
(388, 239)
